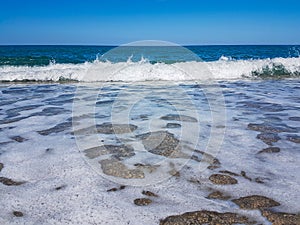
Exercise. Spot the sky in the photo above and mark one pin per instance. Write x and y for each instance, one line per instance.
(114, 22)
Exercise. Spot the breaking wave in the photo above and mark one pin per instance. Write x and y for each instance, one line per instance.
(223, 69)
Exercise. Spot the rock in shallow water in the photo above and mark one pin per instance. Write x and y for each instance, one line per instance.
(10, 182)
(201, 156)
(117, 151)
(280, 218)
(106, 128)
(222, 179)
(270, 150)
(204, 218)
(142, 201)
(269, 128)
(218, 195)
(255, 202)
(150, 168)
(149, 193)
(109, 128)
(113, 167)
(18, 214)
(268, 138)
(161, 143)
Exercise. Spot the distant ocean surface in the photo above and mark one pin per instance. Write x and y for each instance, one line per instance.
(55, 63)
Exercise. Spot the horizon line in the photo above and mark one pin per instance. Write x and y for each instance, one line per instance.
(124, 45)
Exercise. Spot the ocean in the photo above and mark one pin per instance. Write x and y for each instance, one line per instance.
(55, 63)
(135, 134)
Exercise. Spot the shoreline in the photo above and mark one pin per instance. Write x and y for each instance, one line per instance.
(60, 164)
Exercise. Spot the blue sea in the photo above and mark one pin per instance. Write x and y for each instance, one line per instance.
(86, 131)
(44, 55)
(54, 63)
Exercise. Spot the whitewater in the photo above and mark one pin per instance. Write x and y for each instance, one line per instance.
(223, 69)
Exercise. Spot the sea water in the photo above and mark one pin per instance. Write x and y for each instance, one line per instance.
(54, 109)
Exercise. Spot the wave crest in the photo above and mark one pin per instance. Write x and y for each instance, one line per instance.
(223, 69)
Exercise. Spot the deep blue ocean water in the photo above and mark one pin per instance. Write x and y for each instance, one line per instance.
(43, 55)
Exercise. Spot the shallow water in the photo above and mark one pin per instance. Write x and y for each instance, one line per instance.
(50, 136)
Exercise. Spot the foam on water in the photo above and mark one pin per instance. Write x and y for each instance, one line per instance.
(223, 69)
(47, 162)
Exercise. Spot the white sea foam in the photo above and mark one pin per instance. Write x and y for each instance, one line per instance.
(61, 188)
(223, 69)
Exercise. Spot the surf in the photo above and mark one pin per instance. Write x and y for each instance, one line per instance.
(225, 68)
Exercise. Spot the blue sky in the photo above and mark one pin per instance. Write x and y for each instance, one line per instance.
(122, 21)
